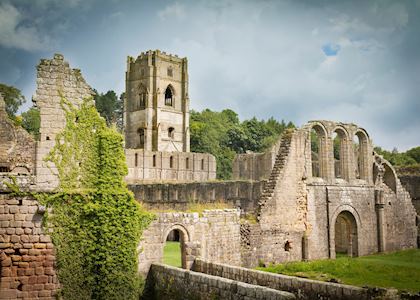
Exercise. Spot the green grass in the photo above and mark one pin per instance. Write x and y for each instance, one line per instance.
(172, 254)
(400, 270)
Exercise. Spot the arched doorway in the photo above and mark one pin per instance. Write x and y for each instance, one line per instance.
(174, 251)
(346, 234)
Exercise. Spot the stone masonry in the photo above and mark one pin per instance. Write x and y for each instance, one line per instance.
(27, 253)
(55, 79)
(215, 236)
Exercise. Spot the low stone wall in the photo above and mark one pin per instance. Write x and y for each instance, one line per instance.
(165, 282)
(301, 287)
(239, 194)
(27, 253)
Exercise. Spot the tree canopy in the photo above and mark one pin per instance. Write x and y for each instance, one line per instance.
(110, 107)
(223, 135)
(13, 99)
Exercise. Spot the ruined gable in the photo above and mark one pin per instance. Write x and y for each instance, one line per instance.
(55, 79)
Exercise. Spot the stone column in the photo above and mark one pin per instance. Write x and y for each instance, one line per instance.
(379, 204)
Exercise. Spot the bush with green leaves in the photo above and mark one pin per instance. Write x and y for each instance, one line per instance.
(96, 222)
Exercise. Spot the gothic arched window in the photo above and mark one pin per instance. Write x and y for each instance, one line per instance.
(169, 96)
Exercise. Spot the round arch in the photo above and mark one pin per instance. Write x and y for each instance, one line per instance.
(361, 155)
(339, 152)
(181, 228)
(318, 147)
(348, 216)
(184, 239)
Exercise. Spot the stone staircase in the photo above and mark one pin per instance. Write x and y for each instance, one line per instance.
(277, 170)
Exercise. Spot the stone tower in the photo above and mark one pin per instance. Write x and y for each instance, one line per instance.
(156, 105)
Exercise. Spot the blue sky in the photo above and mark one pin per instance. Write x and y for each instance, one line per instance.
(350, 61)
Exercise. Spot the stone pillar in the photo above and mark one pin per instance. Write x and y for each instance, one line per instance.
(379, 204)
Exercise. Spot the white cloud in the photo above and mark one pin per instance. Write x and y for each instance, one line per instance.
(175, 10)
(14, 34)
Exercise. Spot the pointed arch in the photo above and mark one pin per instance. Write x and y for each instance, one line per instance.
(169, 95)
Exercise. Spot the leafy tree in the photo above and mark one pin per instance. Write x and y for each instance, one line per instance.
(396, 158)
(110, 107)
(31, 121)
(13, 99)
(223, 135)
(414, 153)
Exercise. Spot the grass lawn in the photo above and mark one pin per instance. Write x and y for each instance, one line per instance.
(400, 270)
(172, 254)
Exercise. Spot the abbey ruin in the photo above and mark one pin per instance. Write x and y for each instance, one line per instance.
(294, 202)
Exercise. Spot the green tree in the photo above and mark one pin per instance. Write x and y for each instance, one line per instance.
(414, 153)
(13, 99)
(31, 121)
(110, 107)
(223, 135)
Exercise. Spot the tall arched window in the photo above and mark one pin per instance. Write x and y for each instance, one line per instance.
(140, 132)
(361, 152)
(169, 96)
(142, 102)
(339, 144)
(318, 138)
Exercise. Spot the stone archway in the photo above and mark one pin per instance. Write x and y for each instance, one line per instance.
(345, 234)
(178, 233)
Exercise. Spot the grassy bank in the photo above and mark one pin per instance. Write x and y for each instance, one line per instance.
(400, 270)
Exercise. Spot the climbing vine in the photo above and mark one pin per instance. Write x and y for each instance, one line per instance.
(95, 222)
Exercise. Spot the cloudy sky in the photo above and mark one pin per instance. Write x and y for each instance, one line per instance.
(350, 61)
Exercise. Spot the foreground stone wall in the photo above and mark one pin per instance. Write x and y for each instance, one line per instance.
(27, 254)
(169, 166)
(170, 283)
(177, 196)
(214, 236)
(302, 288)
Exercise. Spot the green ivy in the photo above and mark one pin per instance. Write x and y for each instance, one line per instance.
(96, 224)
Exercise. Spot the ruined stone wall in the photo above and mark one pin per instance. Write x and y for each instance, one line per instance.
(325, 203)
(254, 166)
(17, 146)
(165, 282)
(26, 252)
(177, 196)
(169, 166)
(400, 219)
(54, 78)
(411, 183)
(214, 236)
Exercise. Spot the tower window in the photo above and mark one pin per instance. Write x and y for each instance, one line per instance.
(136, 159)
(168, 97)
(141, 137)
(171, 162)
(171, 132)
(187, 163)
(154, 160)
(142, 101)
(202, 164)
(170, 72)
